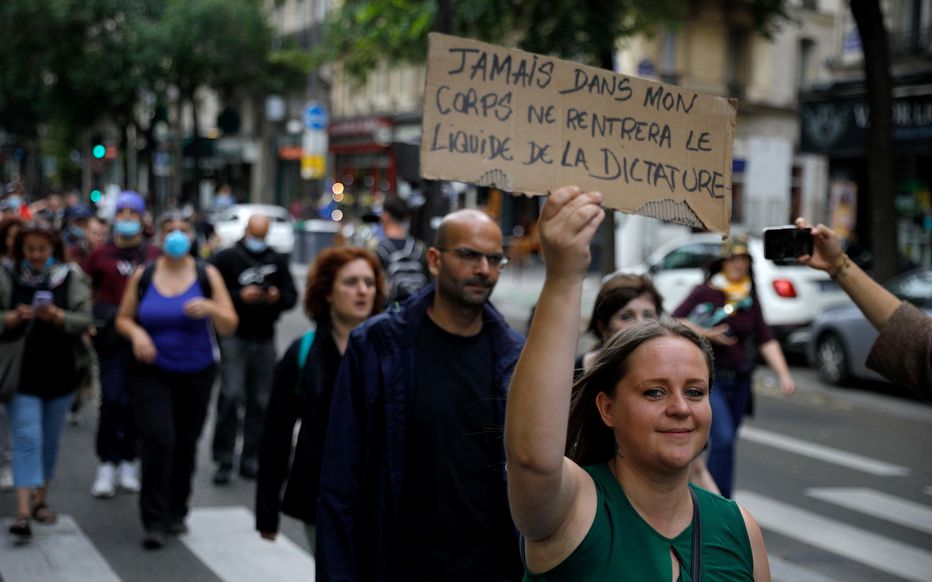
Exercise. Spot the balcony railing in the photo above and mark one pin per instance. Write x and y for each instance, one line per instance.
(913, 42)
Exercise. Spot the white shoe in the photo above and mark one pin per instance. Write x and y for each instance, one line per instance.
(104, 484)
(6, 478)
(127, 477)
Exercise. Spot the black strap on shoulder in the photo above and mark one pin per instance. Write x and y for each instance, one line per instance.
(199, 265)
(696, 549)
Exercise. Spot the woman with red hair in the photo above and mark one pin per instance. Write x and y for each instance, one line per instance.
(345, 286)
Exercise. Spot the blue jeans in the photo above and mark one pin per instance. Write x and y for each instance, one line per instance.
(37, 426)
(730, 398)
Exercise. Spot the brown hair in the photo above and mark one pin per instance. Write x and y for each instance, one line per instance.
(589, 441)
(614, 295)
(322, 276)
(5, 225)
(45, 229)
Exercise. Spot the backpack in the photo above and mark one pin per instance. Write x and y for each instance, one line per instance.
(200, 266)
(404, 268)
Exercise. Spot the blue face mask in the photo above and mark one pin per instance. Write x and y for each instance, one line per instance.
(177, 244)
(49, 263)
(255, 245)
(127, 228)
(15, 202)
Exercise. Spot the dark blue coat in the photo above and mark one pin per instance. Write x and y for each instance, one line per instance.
(358, 516)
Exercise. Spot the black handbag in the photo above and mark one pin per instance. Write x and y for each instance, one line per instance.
(11, 362)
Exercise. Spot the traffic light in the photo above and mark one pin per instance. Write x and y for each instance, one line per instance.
(99, 151)
(96, 196)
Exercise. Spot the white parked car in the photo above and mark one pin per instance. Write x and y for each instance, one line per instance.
(231, 223)
(791, 296)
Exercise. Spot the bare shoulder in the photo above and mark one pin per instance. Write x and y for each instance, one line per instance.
(758, 549)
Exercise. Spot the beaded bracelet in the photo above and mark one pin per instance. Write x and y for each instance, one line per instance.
(840, 263)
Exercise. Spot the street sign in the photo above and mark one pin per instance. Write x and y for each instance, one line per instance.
(315, 116)
(313, 167)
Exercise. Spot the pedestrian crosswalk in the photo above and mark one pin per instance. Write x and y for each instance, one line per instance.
(821, 519)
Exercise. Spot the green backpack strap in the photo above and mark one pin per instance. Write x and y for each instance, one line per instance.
(305, 348)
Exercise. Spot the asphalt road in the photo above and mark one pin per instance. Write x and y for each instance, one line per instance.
(840, 480)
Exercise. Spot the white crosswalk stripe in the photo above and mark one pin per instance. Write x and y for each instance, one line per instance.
(785, 571)
(877, 504)
(854, 543)
(59, 552)
(822, 452)
(225, 539)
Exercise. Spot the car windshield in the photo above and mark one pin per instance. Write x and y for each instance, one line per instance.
(915, 287)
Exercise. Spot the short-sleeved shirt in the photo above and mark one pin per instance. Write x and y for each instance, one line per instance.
(620, 545)
(110, 267)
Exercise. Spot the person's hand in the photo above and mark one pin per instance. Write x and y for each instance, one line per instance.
(272, 295)
(199, 308)
(251, 293)
(826, 247)
(15, 317)
(50, 314)
(143, 348)
(268, 535)
(787, 385)
(568, 221)
(719, 335)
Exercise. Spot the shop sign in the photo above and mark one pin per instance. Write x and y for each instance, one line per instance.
(842, 126)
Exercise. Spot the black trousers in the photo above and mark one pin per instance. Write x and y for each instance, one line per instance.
(116, 431)
(169, 409)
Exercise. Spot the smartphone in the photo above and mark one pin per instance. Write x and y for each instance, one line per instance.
(41, 299)
(783, 244)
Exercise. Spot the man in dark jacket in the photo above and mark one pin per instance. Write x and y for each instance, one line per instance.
(261, 287)
(413, 477)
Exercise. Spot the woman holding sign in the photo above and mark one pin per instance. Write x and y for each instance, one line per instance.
(619, 505)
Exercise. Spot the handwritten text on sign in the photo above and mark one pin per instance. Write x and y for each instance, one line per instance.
(530, 123)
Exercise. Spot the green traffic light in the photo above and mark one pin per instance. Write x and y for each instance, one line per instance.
(96, 196)
(99, 151)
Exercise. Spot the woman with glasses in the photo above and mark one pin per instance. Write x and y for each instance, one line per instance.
(598, 477)
(345, 286)
(168, 312)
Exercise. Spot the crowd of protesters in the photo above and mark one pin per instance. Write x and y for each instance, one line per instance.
(435, 443)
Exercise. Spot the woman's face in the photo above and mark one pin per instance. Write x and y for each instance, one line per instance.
(37, 249)
(639, 309)
(737, 267)
(661, 412)
(11, 238)
(352, 298)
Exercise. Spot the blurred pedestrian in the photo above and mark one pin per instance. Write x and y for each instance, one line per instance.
(403, 257)
(262, 288)
(15, 202)
(74, 232)
(903, 350)
(9, 227)
(623, 301)
(167, 313)
(726, 311)
(413, 478)
(598, 480)
(110, 268)
(344, 287)
(47, 306)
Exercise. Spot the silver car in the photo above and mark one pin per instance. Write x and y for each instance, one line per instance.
(842, 337)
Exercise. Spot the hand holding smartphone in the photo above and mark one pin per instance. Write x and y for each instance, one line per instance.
(784, 244)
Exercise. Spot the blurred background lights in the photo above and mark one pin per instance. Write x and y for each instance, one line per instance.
(337, 188)
(337, 215)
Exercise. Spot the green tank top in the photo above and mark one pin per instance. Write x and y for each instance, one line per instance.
(620, 545)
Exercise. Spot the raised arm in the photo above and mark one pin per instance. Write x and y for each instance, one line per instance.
(872, 299)
(542, 483)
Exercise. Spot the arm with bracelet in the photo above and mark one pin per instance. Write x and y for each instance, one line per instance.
(903, 351)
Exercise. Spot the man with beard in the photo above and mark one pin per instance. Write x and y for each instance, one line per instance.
(413, 477)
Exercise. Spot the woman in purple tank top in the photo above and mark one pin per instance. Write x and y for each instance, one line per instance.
(167, 313)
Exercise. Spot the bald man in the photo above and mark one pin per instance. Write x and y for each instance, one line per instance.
(261, 286)
(413, 476)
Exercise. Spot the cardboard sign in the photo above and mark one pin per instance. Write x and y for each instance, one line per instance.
(530, 123)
